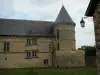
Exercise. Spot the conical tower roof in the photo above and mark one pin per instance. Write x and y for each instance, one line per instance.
(63, 17)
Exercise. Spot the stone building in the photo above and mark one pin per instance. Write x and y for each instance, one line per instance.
(28, 43)
(93, 10)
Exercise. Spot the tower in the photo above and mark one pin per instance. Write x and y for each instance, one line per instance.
(65, 37)
(65, 31)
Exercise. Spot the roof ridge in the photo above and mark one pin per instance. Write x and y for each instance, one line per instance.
(25, 20)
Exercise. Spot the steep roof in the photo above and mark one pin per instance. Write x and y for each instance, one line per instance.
(91, 8)
(25, 27)
(63, 16)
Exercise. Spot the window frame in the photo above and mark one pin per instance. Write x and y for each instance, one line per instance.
(31, 41)
(46, 61)
(28, 42)
(6, 46)
(29, 54)
(58, 34)
(34, 41)
(34, 54)
(58, 46)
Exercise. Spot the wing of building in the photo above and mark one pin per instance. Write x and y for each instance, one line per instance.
(28, 43)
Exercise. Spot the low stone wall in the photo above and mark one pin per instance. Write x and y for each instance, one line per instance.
(70, 59)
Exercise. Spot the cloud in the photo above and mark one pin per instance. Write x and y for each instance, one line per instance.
(43, 3)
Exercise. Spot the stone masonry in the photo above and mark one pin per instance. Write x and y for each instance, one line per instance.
(96, 18)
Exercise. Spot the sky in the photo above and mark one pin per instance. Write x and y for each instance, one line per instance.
(48, 10)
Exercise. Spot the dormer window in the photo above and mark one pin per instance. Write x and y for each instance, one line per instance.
(31, 41)
(28, 42)
(34, 41)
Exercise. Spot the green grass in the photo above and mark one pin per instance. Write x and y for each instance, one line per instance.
(50, 71)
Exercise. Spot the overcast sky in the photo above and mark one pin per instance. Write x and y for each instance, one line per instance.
(48, 10)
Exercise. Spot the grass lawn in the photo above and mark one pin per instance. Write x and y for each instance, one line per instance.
(50, 71)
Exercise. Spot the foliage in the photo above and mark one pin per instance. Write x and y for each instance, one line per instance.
(89, 50)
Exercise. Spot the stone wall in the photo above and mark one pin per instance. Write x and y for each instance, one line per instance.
(66, 39)
(18, 60)
(70, 59)
(96, 17)
(67, 55)
(16, 57)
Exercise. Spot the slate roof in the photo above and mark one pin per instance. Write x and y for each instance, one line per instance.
(63, 17)
(26, 27)
(33, 28)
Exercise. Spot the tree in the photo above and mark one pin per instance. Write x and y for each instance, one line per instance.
(89, 50)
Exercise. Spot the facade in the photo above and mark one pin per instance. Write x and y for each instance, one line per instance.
(25, 43)
(94, 10)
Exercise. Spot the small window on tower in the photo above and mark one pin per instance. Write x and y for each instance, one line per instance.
(58, 46)
(50, 47)
(57, 34)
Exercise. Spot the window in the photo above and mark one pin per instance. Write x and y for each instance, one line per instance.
(28, 54)
(57, 34)
(46, 61)
(58, 46)
(5, 58)
(6, 46)
(34, 54)
(28, 42)
(31, 54)
(34, 41)
(50, 47)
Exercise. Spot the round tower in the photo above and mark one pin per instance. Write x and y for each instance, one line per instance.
(66, 54)
(65, 32)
